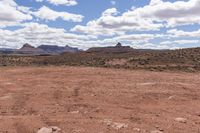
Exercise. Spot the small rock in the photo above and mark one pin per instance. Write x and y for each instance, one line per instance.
(156, 131)
(115, 125)
(118, 126)
(171, 97)
(181, 120)
(161, 129)
(75, 112)
(49, 130)
(198, 113)
(136, 129)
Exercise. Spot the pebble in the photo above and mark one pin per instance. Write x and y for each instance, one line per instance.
(171, 97)
(115, 125)
(181, 120)
(198, 113)
(156, 131)
(49, 130)
(118, 126)
(136, 129)
(75, 112)
(160, 129)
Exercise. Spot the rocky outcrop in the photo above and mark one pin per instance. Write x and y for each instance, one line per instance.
(111, 49)
(29, 50)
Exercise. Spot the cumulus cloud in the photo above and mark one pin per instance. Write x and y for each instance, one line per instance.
(48, 14)
(155, 15)
(11, 14)
(181, 42)
(131, 27)
(60, 2)
(136, 37)
(110, 24)
(181, 33)
(110, 12)
(155, 46)
(174, 14)
(37, 34)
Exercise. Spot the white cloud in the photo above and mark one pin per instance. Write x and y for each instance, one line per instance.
(136, 37)
(61, 2)
(110, 24)
(151, 17)
(37, 34)
(110, 12)
(127, 27)
(181, 33)
(11, 14)
(177, 13)
(181, 42)
(155, 2)
(153, 46)
(49, 14)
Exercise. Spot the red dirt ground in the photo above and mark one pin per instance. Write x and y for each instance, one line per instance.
(98, 100)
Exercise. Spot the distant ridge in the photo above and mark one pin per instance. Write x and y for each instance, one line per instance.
(29, 50)
(27, 46)
(54, 49)
(111, 49)
(6, 50)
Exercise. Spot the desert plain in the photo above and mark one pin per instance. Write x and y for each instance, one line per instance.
(98, 100)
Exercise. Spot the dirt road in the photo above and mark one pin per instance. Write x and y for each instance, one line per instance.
(98, 100)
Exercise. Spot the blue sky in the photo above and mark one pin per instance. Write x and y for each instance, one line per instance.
(156, 24)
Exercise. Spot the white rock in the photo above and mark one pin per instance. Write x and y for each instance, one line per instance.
(118, 126)
(49, 130)
(136, 129)
(181, 120)
(74, 112)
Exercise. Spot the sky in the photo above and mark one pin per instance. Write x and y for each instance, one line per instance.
(143, 24)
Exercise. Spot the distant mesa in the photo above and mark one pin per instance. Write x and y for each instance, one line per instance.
(118, 48)
(27, 46)
(29, 50)
(54, 49)
(6, 51)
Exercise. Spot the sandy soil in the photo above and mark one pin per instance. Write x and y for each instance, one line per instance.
(98, 100)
